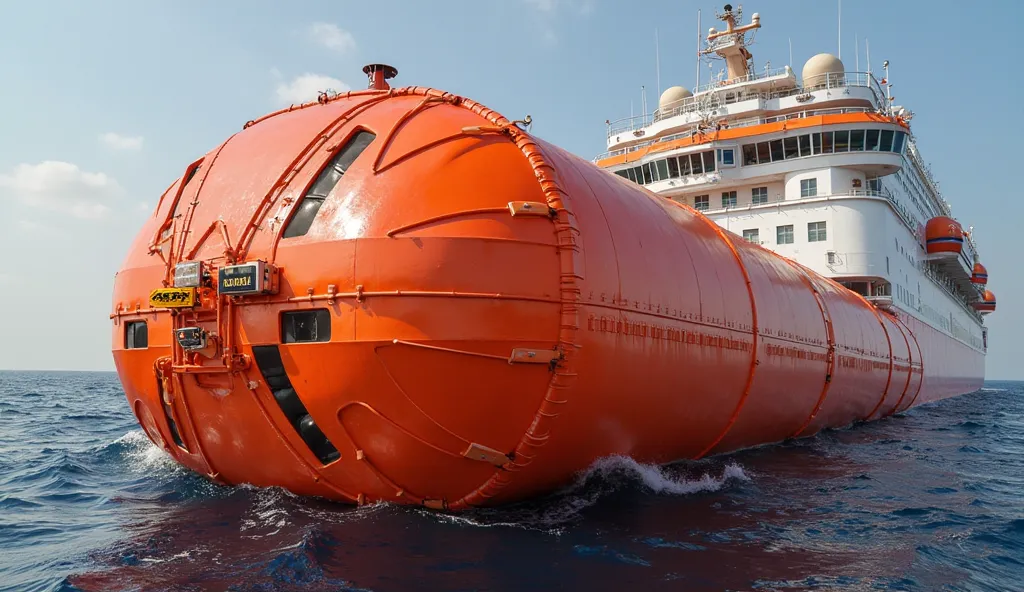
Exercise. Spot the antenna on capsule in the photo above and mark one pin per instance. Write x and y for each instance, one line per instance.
(379, 74)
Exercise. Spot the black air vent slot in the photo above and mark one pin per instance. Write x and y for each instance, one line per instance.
(268, 358)
(169, 416)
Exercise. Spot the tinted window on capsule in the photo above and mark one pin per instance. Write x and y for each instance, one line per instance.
(325, 182)
(304, 326)
(136, 335)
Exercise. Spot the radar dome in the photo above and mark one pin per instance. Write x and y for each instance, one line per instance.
(673, 97)
(817, 69)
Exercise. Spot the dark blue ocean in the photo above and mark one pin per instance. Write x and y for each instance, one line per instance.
(929, 500)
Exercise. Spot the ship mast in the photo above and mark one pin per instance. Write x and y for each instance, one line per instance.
(731, 44)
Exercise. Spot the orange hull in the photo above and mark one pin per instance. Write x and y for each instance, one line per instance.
(498, 314)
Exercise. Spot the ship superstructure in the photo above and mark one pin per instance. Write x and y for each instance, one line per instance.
(822, 168)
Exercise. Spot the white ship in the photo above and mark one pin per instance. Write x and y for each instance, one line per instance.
(823, 169)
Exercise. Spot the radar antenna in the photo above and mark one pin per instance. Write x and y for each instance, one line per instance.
(731, 44)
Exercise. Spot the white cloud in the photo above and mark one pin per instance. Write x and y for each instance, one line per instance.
(60, 187)
(306, 88)
(119, 142)
(332, 37)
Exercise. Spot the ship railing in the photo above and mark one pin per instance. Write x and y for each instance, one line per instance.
(738, 123)
(924, 172)
(947, 285)
(692, 104)
(752, 77)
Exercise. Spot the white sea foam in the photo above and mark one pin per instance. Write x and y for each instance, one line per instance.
(605, 476)
(143, 456)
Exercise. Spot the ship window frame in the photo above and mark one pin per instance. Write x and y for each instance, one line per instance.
(708, 157)
(662, 169)
(696, 162)
(869, 144)
(684, 166)
(816, 141)
(784, 231)
(702, 202)
(645, 170)
(841, 141)
(884, 146)
(731, 197)
(827, 143)
(900, 138)
(805, 145)
(809, 187)
(775, 147)
(752, 235)
(673, 167)
(727, 162)
(791, 148)
(857, 140)
(749, 154)
(817, 232)
(303, 213)
(764, 154)
(759, 195)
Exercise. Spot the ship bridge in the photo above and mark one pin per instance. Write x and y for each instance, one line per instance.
(821, 168)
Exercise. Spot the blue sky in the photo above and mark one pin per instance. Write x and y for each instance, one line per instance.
(105, 103)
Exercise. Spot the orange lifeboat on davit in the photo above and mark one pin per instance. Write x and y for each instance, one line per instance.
(401, 295)
(980, 275)
(943, 235)
(987, 303)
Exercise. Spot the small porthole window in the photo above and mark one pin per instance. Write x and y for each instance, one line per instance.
(136, 335)
(306, 326)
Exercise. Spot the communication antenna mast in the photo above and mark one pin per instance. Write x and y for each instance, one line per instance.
(840, 56)
(657, 59)
(695, 88)
(731, 44)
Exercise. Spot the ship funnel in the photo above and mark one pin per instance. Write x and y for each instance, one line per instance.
(379, 74)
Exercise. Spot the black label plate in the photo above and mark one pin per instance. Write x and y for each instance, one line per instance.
(240, 279)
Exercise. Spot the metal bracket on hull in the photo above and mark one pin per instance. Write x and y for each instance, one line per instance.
(486, 454)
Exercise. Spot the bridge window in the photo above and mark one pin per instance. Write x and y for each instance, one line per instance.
(805, 145)
(885, 141)
(856, 140)
(784, 234)
(749, 154)
(791, 147)
(842, 141)
(709, 161)
(759, 195)
(871, 142)
(815, 232)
